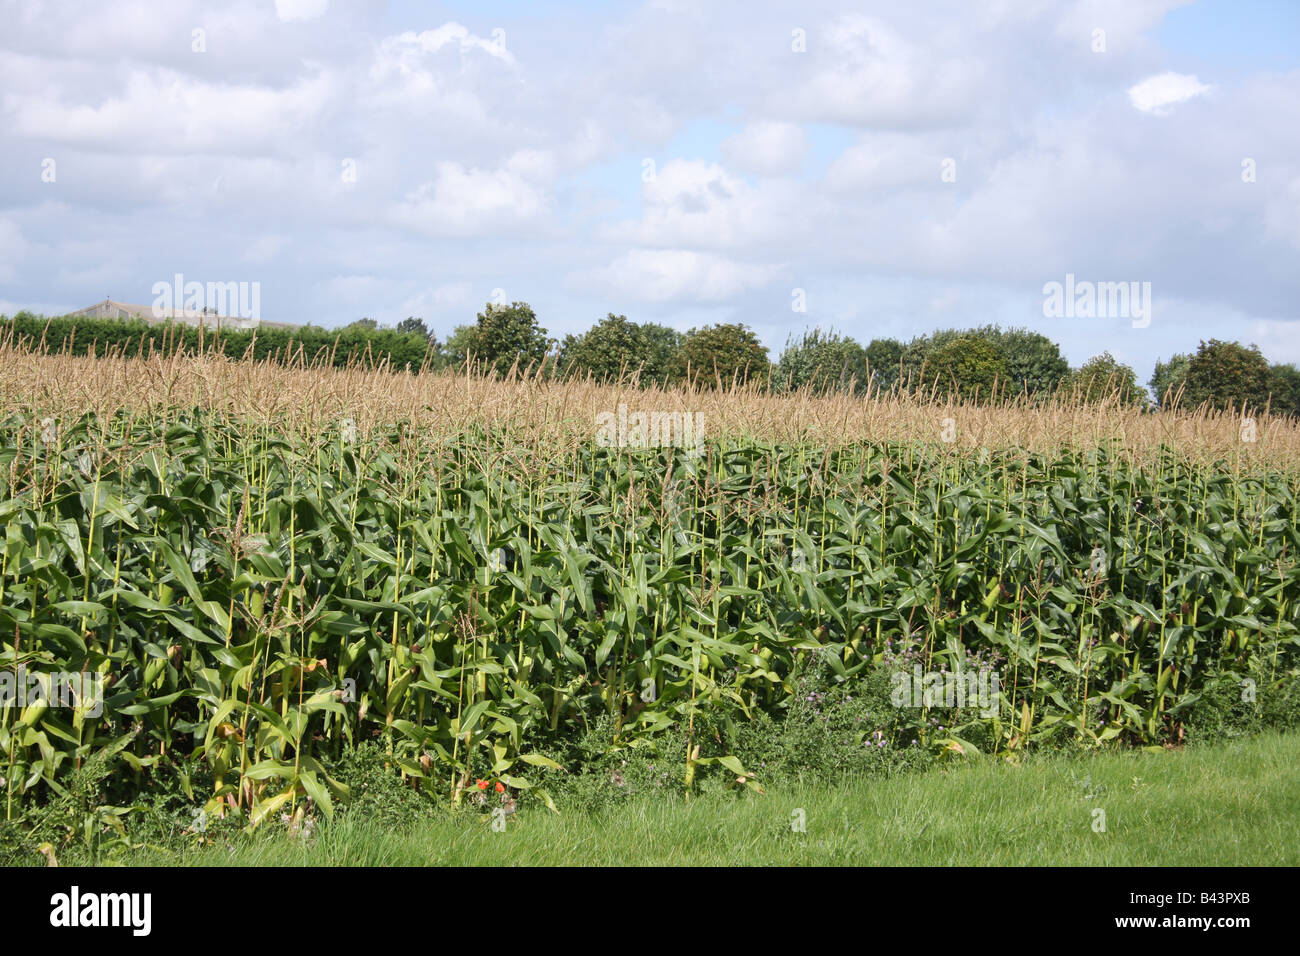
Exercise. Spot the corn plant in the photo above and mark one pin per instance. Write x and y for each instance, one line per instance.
(259, 596)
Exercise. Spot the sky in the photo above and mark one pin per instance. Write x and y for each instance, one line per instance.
(879, 169)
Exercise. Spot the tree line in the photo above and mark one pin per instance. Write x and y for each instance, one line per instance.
(974, 364)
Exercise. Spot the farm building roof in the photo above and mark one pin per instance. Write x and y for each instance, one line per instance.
(112, 309)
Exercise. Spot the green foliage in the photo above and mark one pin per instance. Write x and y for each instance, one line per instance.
(263, 601)
(1034, 362)
(721, 354)
(377, 792)
(1235, 802)
(957, 362)
(1028, 361)
(80, 813)
(822, 362)
(1241, 704)
(412, 324)
(600, 776)
(918, 353)
(506, 336)
(616, 347)
(1103, 376)
(661, 344)
(967, 366)
(1284, 389)
(883, 357)
(1227, 375)
(833, 728)
(455, 351)
(1168, 378)
(360, 341)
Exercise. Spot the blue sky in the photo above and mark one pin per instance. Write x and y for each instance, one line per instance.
(1239, 36)
(672, 161)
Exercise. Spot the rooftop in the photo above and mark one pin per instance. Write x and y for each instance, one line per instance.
(112, 309)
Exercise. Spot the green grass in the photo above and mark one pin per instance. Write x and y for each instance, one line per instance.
(1236, 803)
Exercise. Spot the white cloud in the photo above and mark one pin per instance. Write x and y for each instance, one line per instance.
(163, 111)
(1124, 22)
(885, 160)
(12, 246)
(700, 204)
(356, 289)
(1157, 94)
(674, 275)
(1282, 215)
(300, 9)
(467, 201)
(868, 73)
(265, 247)
(439, 299)
(470, 146)
(767, 149)
(405, 51)
(1277, 340)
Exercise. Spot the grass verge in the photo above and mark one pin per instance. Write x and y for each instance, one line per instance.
(1236, 803)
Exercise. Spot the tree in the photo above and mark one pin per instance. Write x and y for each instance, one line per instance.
(967, 366)
(453, 352)
(616, 346)
(1227, 374)
(1168, 378)
(720, 353)
(363, 324)
(915, 359)
(1284, 389)
(661, 345)
(505, 335)
(1103, 377)
(136, 337)
(883, 356)
(413, 324)
(822, 361)
(1034, 362)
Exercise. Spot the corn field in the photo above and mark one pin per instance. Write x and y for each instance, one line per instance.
(257, 594)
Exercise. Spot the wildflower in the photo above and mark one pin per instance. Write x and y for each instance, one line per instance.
(482, 784)
(500, 787)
